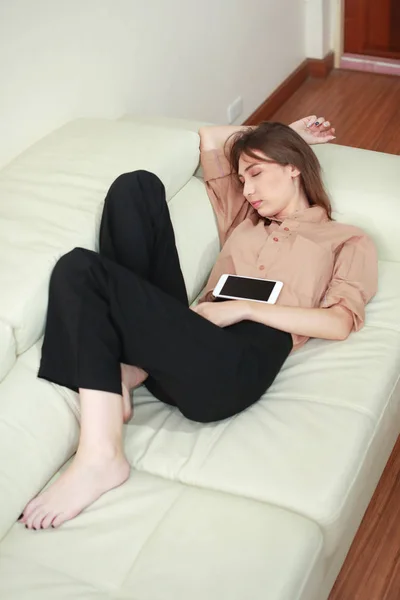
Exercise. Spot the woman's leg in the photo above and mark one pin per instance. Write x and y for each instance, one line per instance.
(99, 313)
(99, 464)
(136, 232)
(102, 314)
(76, 352)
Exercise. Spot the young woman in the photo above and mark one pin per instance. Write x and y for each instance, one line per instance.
(121, 317)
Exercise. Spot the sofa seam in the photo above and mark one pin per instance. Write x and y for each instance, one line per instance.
(383, 327)
(365, 412)
(152, 534)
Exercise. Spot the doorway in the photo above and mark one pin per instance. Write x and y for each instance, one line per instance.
(372, 27)
(371, 35)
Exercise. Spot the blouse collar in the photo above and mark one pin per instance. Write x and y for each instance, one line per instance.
(313, 214)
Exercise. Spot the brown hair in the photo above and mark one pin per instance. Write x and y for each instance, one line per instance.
(284, 146)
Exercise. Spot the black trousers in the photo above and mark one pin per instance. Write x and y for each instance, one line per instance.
(128, 303)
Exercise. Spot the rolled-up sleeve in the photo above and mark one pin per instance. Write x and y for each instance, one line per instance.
(224, 192)
(355, 278)
(214, 164)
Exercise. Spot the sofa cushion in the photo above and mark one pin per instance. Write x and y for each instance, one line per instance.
(51, 198)
(365, 191)
(155, 539)
(196, 234)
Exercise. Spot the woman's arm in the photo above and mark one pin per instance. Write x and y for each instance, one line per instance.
(212, 138)
(333, 323)
(311, 129)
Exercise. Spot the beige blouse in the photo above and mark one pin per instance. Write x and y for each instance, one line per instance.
(321, 263)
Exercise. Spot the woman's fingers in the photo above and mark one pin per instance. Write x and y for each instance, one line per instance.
(324, 128)
(328, 131)
(310, 121)
(317, 123)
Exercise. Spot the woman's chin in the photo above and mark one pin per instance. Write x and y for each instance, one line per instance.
(267, 212)
(264, 212)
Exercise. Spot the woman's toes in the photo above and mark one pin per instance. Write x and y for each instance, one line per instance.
(48, 520)
(30, 508)
(30, 519)
(59, 520)
(39, 516)
(86, 479)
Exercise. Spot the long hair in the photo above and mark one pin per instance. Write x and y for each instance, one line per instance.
(284, 146)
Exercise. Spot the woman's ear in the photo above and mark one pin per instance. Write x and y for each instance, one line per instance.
(294, 171)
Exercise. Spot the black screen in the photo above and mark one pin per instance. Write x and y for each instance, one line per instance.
(252, 289)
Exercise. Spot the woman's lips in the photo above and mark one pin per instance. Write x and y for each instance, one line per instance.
(257, 204)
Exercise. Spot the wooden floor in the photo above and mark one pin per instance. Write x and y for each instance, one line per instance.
(365, 108)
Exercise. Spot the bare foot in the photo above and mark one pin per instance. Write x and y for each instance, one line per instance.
(83, 482)
(131, 377)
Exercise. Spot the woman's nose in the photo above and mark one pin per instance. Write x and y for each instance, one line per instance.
(248, 190)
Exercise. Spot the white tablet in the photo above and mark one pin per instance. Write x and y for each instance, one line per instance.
(235, 287)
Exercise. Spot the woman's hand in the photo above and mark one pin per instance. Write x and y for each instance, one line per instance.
(223, 313)
(314, 130)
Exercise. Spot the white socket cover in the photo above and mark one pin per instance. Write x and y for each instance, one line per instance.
(235, 109)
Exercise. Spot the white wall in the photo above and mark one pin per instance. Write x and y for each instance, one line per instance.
(62, 59)
(319, 27)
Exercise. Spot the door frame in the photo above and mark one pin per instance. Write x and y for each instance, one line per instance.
(338, 30)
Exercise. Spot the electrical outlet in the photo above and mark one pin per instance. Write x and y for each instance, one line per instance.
(235, 109)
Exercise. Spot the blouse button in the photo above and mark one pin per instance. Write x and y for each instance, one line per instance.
(275, 239)
(286, 228)
(261, 267)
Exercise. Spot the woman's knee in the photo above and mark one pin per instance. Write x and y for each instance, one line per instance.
(70, 265)
(137, 184)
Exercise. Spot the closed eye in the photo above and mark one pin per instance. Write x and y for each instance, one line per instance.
(251, 175)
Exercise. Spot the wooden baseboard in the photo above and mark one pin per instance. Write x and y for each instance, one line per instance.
(321, 67)
(311, 67)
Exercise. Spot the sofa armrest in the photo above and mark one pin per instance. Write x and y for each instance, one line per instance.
(172, 123)
(38, 433)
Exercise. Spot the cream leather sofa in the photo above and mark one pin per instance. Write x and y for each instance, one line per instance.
(263, 506)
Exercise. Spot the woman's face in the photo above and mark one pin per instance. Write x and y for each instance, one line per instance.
(270, 188)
